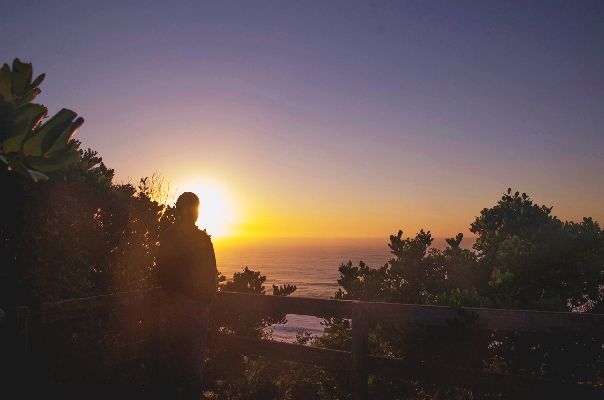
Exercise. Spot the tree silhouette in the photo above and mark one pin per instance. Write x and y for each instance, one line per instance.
(523, 257)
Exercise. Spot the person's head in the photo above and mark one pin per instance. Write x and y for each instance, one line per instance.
(187, 208)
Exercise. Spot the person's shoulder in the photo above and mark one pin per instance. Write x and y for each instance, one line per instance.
(203, 235)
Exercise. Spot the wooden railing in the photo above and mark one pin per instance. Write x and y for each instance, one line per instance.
(357, 360)
(361, 363)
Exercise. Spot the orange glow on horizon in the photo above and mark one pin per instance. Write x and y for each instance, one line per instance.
(238, 208)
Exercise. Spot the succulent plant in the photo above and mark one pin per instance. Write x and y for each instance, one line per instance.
(30, 144)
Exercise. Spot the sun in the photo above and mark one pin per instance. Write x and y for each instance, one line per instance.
(217, 213)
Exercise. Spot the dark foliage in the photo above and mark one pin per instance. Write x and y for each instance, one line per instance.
(78, 234)
(523, 258)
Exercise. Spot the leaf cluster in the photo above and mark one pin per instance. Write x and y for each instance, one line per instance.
(29, 144)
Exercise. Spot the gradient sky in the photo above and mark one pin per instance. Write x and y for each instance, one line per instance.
(336, 119)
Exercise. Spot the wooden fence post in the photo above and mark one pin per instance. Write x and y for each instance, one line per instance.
(22, 326)
(359, 353)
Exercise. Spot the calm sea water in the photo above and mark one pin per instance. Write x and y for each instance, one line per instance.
(310, 265)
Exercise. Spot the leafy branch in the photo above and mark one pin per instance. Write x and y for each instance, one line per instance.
(28, 144)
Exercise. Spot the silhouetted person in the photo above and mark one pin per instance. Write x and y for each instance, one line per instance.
(187, 272)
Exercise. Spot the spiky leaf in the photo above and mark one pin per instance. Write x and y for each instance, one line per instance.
(58, 161)
(5, 84)
(27, 119)
(62, 141)
(21, 77)
(45, 136)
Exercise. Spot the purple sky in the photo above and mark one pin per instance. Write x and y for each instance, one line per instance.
(334, 118)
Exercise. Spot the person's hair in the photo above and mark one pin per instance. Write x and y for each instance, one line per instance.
(186, 201)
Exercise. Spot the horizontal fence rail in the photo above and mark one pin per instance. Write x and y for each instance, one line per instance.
(84, 307)
(487, 318)
(358, 361)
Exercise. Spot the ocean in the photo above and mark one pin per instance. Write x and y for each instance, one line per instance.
(311, 265)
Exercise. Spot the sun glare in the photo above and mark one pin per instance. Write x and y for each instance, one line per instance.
(216, 210)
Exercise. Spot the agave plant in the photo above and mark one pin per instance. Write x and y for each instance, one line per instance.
(29, 144)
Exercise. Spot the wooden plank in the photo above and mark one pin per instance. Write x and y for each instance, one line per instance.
(496, 319)
(360, 328)
(266, 304)
(284, 351)
(22, 315)
(85, 307)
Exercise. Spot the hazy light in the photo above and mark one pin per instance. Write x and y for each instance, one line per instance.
(217, 213)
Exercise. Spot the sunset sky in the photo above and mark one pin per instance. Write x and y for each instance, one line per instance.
(332, 119)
